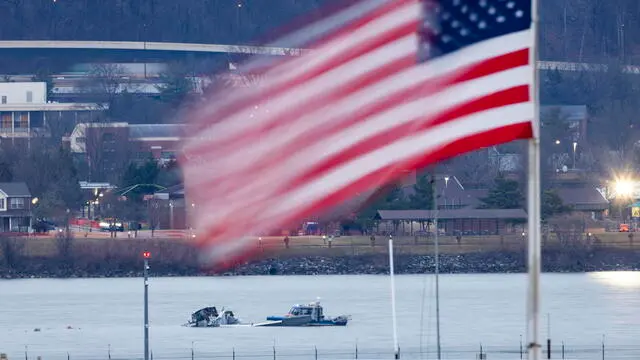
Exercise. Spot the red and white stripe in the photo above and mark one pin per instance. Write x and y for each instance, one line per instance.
(344, 118)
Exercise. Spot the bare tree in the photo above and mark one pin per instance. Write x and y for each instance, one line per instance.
(474, 169)
(105, 83)
(106, 148)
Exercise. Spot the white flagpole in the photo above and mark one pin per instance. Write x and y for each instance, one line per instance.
(533, 204)
(396, 350)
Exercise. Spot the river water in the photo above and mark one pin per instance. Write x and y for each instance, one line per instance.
(98, 318)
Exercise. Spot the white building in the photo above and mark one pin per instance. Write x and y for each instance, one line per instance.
(25, 111)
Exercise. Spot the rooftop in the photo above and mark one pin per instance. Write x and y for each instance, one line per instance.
(421, 215)
(583, 198)
(15, 189)
(140, 131)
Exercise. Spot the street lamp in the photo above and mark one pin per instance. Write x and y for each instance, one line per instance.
(623, 188)
(575, 146)
(557, 142)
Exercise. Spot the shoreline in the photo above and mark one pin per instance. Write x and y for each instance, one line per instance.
(489, 262)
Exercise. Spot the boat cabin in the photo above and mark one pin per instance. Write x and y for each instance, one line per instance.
(313, 310)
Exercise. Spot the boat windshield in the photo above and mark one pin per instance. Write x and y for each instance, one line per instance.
(300, 311)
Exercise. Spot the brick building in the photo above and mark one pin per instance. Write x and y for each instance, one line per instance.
(107, 147)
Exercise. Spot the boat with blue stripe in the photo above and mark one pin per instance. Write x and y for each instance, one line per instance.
(311, 314)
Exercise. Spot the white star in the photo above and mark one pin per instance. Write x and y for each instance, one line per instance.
(446, 38)
(464, 32)
(482, 25)
(500, 19)
(519, 13)
(491, 10)
(446, 16)
(456, 2)
(464, 9)
(510, 5)
(473, 17)
(455, 24)
(483, 3)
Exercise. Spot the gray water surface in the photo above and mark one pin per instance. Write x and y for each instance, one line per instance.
(86, 317)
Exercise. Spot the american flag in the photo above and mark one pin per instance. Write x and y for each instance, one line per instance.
(388, 85)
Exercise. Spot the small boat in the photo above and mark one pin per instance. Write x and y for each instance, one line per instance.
(209, 317)
(306, 315)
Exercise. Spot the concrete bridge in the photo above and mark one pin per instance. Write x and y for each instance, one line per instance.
(167, 47)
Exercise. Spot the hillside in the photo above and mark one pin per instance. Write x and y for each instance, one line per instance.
(573, 30)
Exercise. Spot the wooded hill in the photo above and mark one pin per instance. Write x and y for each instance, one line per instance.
(571, 30)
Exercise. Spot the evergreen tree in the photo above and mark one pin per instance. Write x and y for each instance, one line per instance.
(422, 197)
(552, 205)
(505, 194)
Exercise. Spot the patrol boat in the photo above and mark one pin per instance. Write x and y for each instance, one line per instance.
(306, 315)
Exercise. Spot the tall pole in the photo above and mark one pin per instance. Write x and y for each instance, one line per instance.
(396, 348)
(533, 204)
(434, 206)
(147, 256)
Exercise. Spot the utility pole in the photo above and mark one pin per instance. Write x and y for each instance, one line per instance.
(434, 205)
(146, 255)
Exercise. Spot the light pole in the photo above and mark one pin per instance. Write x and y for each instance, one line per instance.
(575, 146)
(171, 214)
(146, 255)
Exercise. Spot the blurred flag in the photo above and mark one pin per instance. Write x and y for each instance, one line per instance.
(387, 85)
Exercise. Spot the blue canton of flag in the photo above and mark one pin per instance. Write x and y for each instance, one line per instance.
(450, 25)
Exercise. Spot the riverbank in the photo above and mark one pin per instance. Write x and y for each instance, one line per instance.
(556, 260)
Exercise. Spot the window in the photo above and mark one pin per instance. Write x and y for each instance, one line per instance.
(16, 203)
(3, 205)
(4, 99)
(81, 140)
(5, 120)
(29, 96)
(21, 120)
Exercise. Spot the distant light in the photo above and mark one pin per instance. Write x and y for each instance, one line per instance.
(34, 200)
(239, 4)
(557, 142)
(623, 187)
(146, 254)
(524, 234)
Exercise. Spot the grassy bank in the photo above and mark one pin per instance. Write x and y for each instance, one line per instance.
(67, 257)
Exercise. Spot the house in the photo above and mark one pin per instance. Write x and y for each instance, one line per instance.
(587, 200)
(109, 145)
(15, 207)
(25, 111)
